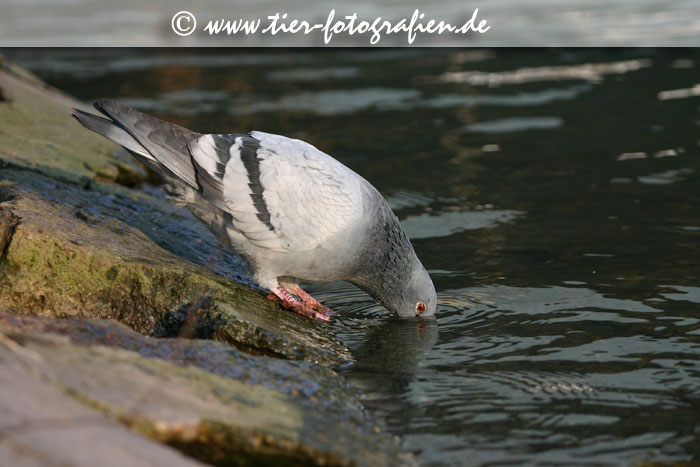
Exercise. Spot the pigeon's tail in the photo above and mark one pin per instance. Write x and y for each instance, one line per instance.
(114, 132)
(162, 146)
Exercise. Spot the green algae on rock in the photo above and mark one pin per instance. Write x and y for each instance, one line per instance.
(36, 131)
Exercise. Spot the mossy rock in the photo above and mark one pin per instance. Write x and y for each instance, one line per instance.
(37, 131)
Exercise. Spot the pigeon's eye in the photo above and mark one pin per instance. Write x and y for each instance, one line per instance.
(420, 308)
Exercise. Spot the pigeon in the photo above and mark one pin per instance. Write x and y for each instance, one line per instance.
(291, 211)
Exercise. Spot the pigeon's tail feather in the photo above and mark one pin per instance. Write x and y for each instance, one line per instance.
(147, 139)
(164, 142)
(112, 131)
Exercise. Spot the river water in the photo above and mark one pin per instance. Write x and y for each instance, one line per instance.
(554, 196)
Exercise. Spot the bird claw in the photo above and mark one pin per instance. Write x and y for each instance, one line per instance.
(273, 297)
(315, 312)
(325, 310)
(310, 312)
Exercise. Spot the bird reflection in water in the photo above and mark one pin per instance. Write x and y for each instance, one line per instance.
(389, 356)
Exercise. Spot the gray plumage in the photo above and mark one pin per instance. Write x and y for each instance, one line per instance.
(293, 212)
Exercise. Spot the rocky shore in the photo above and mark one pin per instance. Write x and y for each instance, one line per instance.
(128, 336)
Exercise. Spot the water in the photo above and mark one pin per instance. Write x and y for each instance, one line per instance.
(553, 195)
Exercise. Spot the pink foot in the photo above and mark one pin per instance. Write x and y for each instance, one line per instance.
(299, 307)
(312, 302)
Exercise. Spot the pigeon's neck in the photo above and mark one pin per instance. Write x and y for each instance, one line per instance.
(386, 258)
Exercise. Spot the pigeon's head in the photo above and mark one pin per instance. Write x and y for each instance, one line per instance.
(417, 297)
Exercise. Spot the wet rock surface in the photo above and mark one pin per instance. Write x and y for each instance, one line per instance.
(117, 305)
(206, 399)
(43, 426)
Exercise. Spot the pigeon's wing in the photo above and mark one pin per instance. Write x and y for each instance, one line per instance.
(282, 194)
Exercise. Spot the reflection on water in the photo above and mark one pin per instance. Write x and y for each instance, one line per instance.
(314, 74)
(592, 72)
(553, 195)
(444, 224)
(389, 355)
(333, 102)
(665, 178)
(505, 125)
(193, 101)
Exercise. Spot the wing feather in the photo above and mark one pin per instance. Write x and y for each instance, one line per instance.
(283, 194)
